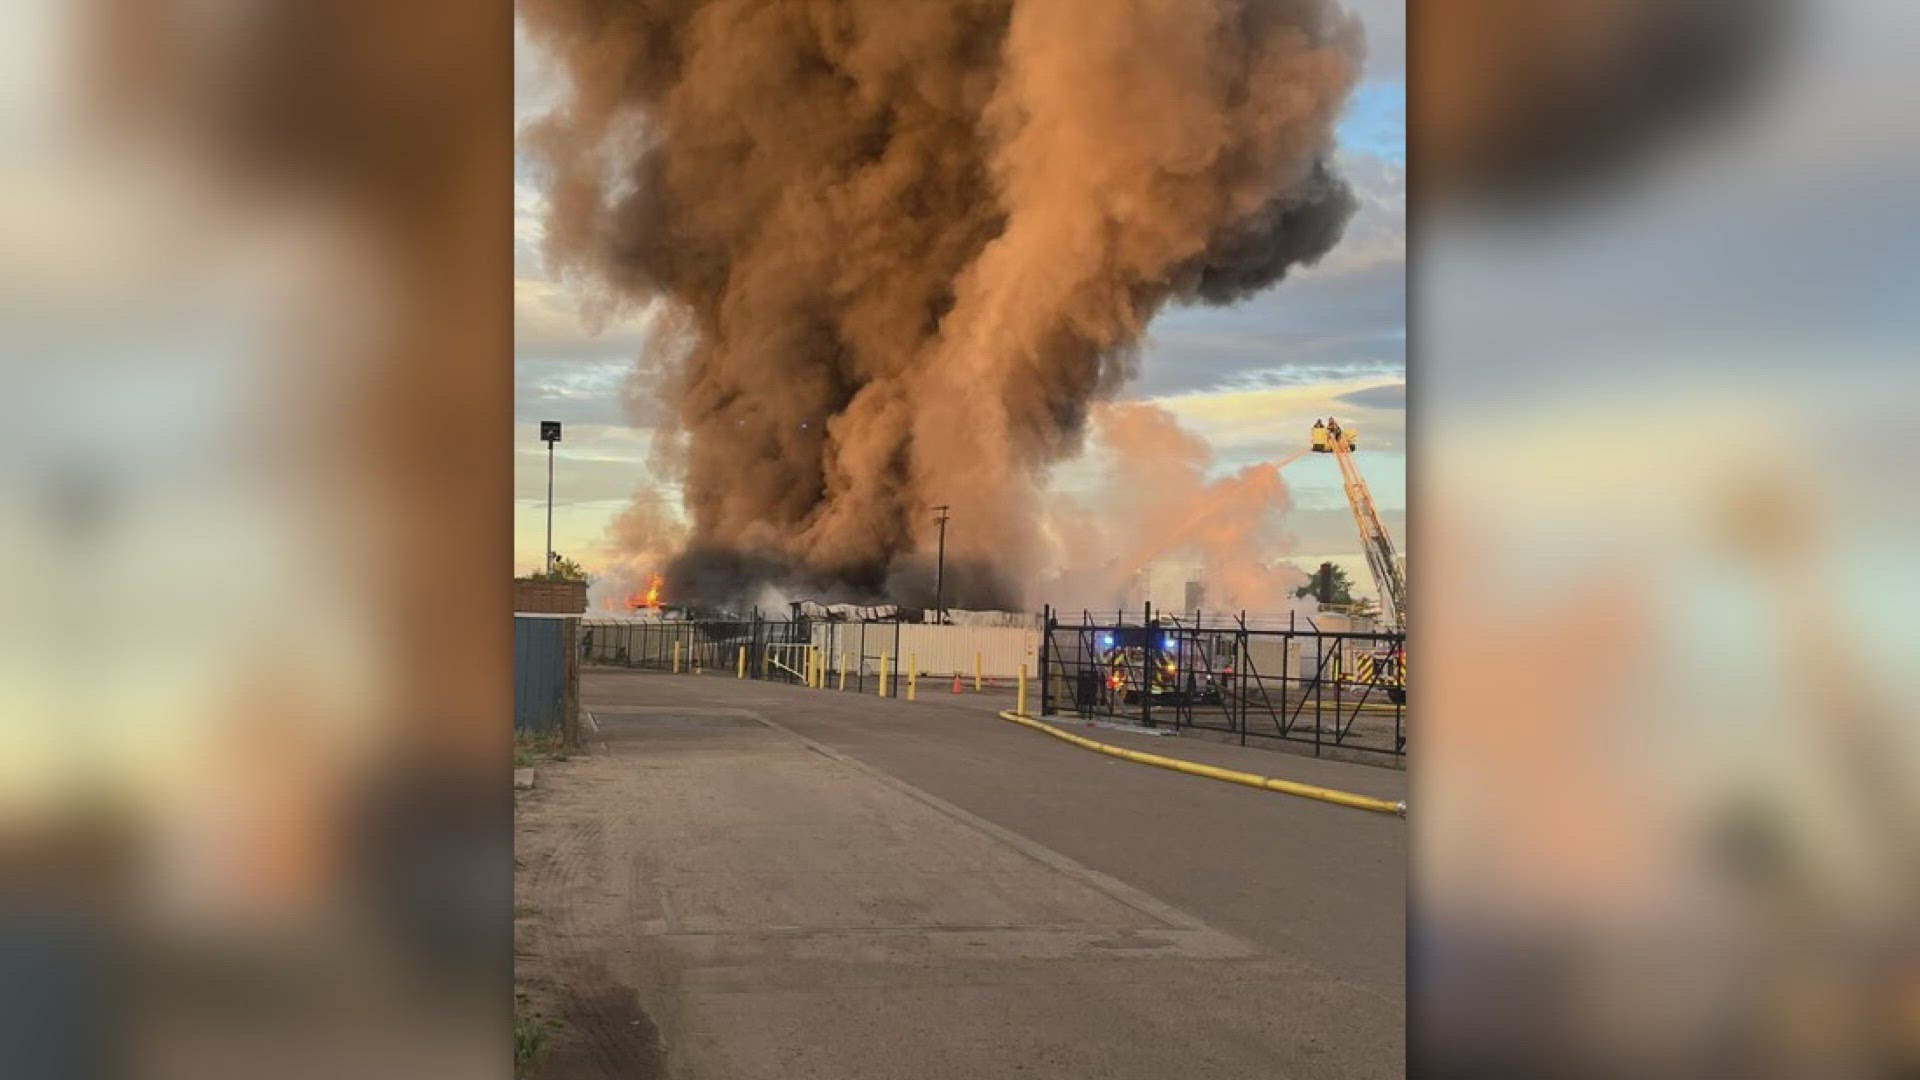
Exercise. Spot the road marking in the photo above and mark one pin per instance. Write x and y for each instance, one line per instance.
(1219, 941)
(1231, 776)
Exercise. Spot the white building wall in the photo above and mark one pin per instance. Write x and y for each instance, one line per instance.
(939, 651)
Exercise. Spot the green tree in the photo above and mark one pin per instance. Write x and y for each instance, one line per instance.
(1329, 585)
(565, 569)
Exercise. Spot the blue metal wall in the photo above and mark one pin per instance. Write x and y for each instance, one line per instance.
(539, 673)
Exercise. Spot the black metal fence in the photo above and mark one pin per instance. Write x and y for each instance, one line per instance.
(1332, 690)
(762, 647)
(852, 654)
(844, 654)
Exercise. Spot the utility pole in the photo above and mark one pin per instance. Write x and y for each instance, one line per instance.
(940, 568)
(550, 434)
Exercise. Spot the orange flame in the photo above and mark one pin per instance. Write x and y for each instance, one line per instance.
(650, 598)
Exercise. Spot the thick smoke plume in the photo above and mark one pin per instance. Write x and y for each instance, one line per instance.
(640, 541)
(1157, 505)
(909, 244)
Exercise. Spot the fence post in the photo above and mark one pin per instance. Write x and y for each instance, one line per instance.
(1020, 695)
(1150, 663)
(843, 670)
(1241, 647)
(913, 676)
(883, 673)
(1046, 656)
(1400, 707)
(1287, 652)
(1319, 685)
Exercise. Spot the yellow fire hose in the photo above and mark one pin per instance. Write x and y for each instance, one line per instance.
(1288, 787)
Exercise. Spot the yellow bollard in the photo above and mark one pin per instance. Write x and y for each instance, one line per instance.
(913, 676)
(676, 658)
(742, 670)
(976, 672)
(883, 674)
(843, 671)
(1020, 698)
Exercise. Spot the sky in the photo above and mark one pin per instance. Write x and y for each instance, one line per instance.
(1250, 379)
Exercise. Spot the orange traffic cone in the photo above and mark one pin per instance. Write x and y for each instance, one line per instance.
(956, 682)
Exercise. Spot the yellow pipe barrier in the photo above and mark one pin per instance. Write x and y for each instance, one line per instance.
(976, 672)
(1020, 699)
(1231, 776)
(883, 673)
(676, 658)
(843, 671)
(813, 668)
(913, 676)
(741, 673)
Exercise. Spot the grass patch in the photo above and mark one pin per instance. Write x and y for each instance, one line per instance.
(530, 1028)
(532, 748)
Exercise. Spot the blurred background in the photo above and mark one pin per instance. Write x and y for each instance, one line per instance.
(254, 317)
(254, 313)
(1664, 280)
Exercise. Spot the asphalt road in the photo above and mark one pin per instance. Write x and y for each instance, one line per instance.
(745, 879)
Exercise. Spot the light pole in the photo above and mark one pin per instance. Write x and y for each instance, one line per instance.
(550, 434)
(940, 569)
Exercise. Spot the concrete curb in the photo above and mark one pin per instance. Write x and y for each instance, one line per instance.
(1231, 776)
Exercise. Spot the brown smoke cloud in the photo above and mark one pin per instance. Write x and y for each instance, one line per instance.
(640, 541)
(910, 244)
(1156, 503)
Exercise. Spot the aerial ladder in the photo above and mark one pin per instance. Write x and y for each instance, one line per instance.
(1388, 576)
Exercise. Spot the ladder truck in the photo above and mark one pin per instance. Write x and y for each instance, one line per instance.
(1388, 576)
